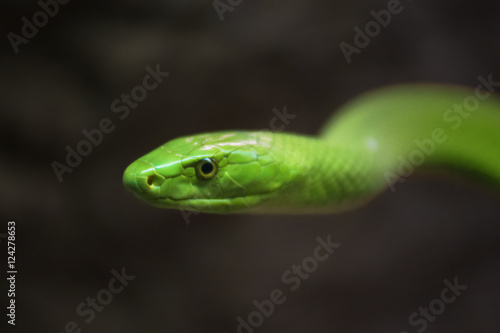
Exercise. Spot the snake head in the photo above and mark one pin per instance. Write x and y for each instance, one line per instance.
(217, 172)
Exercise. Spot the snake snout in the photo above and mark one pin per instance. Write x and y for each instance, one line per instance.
(129, 180)
(141, 178)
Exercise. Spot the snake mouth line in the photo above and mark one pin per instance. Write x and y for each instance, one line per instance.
(219, 204)
(169, 199)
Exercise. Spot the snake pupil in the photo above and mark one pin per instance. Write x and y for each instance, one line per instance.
(207, 167)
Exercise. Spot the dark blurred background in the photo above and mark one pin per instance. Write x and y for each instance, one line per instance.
(199, 273)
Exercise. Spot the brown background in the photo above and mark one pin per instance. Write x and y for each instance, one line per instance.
(199, 277)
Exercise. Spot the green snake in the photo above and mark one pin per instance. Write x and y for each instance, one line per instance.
(373, 142)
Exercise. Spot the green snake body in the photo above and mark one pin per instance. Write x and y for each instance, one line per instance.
(372, 142)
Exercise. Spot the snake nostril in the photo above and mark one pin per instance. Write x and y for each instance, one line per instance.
(150, 181)
(154, 180)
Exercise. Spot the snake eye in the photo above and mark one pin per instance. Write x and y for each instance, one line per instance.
(206, 168)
